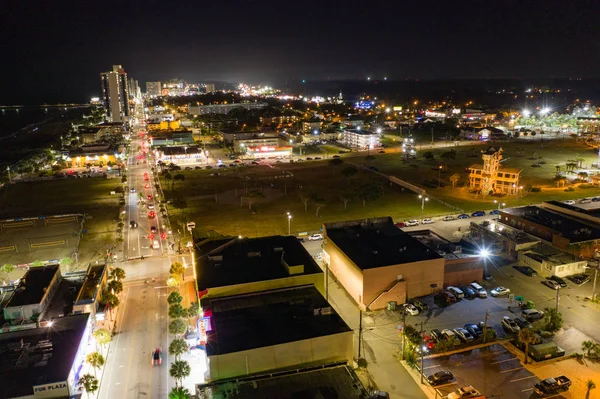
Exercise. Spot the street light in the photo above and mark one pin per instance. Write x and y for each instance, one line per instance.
(289, 217)
(423, 200)
(422, 351)
(526, 112)
(378, 130)
(500, 204)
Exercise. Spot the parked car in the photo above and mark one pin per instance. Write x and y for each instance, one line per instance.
(569, 202)
(585, 201)
(463, 334)
(522, 323)
(462, 216)
(411, 309)
(448, 297)
(439, 378)
(315, 237)
(469, 292)
(494, 212)
(559, 280)
(500, 291)
(437, 335)
(478, 213)
(509, 325)
(481, 292)
(412, 222)
(419, 304)
(528, 271)
(474, 330)
(579, 278)
(487, 276)
(551, 284)
(465, 392)
(448, 218)
(450, 336)
(157, 357)
(427, 221)
(456, 291)
(532, 314)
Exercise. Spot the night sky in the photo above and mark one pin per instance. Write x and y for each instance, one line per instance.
(54, 50)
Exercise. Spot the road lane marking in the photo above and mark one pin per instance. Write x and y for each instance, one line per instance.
(431, 367)
(515, 369)
(118, 339)
(507, 360)
(528, 389)
(524, 378)
(133, 334)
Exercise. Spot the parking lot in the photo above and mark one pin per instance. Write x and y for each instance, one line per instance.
(45, 238)
(492, 370)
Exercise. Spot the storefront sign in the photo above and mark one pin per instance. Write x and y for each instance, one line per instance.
(54, 390)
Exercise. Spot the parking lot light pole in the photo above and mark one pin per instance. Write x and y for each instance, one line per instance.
(289, 217)
(423, 351)
(500, 204)
(423, 200)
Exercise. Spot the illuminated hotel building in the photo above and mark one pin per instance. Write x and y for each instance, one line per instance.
(115, 94)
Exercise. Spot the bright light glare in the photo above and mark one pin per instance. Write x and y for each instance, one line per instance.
(50, 324)
(526, 112)
(484, 252)
(379, 130)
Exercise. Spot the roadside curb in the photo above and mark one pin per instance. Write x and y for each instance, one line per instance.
(468, 348)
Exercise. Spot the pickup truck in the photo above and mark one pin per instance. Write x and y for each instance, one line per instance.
(551, 386)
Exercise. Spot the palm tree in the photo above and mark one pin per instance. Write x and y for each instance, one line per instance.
(177, 327)
(527, 337)
(179, 370)
(179, 393)
(590, 385)
(582, 175)
(102, 336)
(589, 346)
(96, 360)
(177, 177)
(454, 179)
(178, 347)
(117, 274)
(115, 286)
(88, 383)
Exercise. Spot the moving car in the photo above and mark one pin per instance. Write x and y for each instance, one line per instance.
(509, 325)
(151, 215)
(146, 185)
(157, 357)
(569, 202)
(522, 323)
(478, 213)
(155, 244)
(315, 237)
(133, 224)
(462, 216)
(412, 222)
(465, 392)
(411, 309)
(463, 334)
(448, 218)
(551, 284)
(559, 280)
(526, 270)
(500, 291)
(150, 205)
(439, 378)
(149, 197)
(132, 190)
(532, 314)
(427, 221)
(153, 229)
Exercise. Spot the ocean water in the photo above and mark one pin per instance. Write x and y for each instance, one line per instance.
(13, 119)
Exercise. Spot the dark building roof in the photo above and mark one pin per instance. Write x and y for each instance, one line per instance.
(179, 150)
(39, 356)
(570, 228)
(491, 151)
(33, 285)
(337, 381)
(240, 261)
(377, 243)
(594, 212)
(268, 318)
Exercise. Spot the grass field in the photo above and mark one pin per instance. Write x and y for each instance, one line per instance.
(270, 216)
(53, 197)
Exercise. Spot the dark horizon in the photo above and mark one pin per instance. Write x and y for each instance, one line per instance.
(58, 50)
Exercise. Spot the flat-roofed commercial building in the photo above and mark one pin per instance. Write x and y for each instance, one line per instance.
(361, 139)
(549, 261)
(569, 234)
(222, 108)
(273, 330)
(233, 266)
(338, 380)
(181, 155)
(45, 362)
(378, 263)
(33, 294)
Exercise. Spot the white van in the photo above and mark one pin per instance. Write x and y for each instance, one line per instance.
(479, 290)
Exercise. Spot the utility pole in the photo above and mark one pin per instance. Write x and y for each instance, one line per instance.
(423, 349)
(487, 315)
(359, 333)
(594, 286)
(403, 331)
(557, 298)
